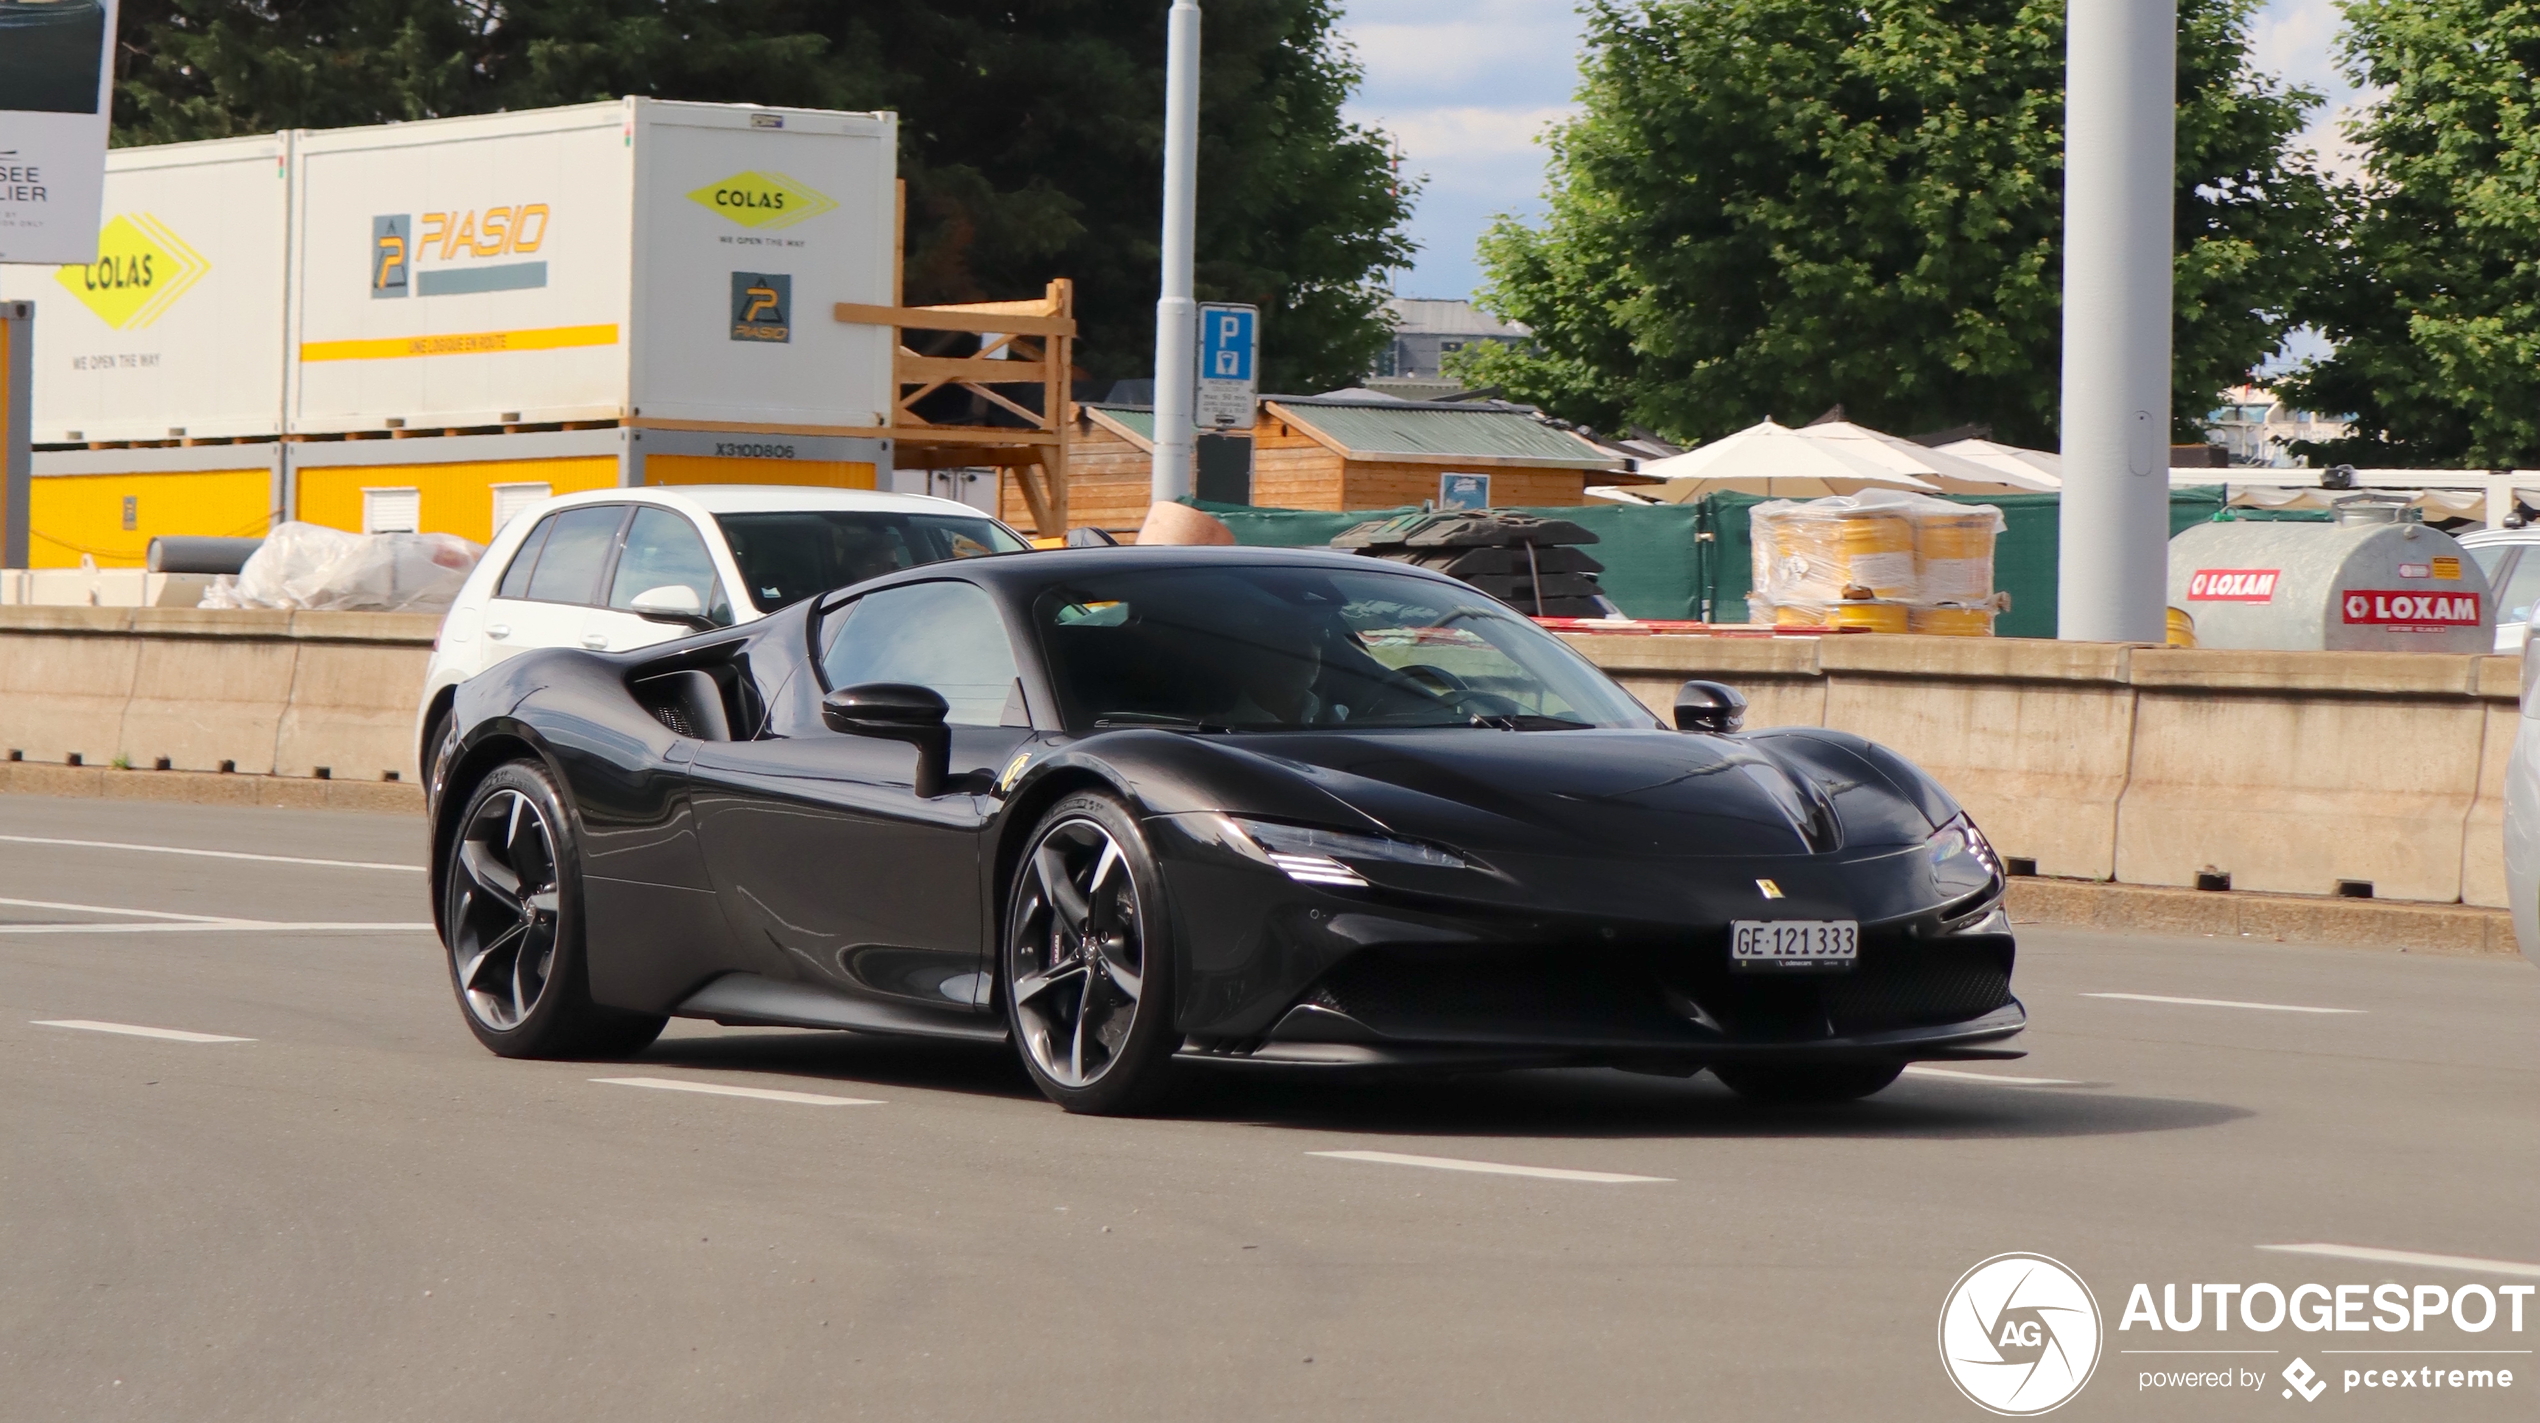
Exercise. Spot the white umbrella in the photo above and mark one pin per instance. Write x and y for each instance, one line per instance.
(1774, 460)
(2042, 470)
(1953, 473)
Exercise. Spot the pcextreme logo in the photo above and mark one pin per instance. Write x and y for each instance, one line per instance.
(142, 267)
(2019, 1334)
(763, 199)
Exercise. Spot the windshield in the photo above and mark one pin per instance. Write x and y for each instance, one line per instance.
(1271, 648)
(788, 556)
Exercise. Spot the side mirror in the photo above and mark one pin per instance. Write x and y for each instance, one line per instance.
(673, 603)
(1714, 708)
(897, 711)
(1086, 536)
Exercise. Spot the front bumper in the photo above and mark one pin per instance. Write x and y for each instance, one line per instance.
(1278, 971)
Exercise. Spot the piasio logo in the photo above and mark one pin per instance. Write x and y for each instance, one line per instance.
(763, 200)
(142, 267)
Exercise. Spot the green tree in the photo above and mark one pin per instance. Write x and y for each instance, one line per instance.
(2434, 301)
(1031, 133)
(1767, 207)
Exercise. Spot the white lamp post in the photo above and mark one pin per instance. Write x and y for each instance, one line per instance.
(1176, 314)
(2120, 141)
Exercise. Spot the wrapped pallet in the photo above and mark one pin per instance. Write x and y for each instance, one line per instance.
(1883, 560)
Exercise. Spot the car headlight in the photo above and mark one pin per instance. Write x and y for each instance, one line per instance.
(1962, 861)
(1312, 856)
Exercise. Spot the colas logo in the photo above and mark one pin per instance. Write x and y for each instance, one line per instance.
(142, 267)
(768, 200)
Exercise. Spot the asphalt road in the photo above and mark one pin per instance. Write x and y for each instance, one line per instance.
(359, 1214)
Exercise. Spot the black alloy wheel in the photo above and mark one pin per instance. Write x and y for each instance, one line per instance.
(512, 920)
(1798, 1083)
(1086, 968)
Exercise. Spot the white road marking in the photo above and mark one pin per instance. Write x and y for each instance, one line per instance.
(2411, 1257)
(114, 909)
(1490, 1168)
(715, 1089)
(2221, 1003)
(1919, 1070)
(134, 1030)
(209, 854)
(222, 926)
(169, 923)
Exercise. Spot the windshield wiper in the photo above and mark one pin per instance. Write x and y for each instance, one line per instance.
(1110, 721)
(1529, 721)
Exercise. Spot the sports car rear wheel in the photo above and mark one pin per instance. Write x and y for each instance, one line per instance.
(1087, 964)
(1806, 1082)
(512, 918)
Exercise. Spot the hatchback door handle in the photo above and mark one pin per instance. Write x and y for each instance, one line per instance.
(597, 642)
(498, 630)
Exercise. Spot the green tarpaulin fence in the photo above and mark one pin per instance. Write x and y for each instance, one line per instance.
(1693, 561)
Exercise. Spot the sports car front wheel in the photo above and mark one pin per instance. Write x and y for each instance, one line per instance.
(1087, 966)
(512, 918)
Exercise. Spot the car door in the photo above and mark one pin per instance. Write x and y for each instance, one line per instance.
(545, 597)
(832, 868)
(660, 549)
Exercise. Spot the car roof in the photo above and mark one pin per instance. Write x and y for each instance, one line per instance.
(2476, 537)
(1024, 571)
(769, 499)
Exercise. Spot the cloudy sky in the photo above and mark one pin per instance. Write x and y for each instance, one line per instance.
(1466, 85)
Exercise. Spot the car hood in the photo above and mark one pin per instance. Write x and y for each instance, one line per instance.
(1626, 794)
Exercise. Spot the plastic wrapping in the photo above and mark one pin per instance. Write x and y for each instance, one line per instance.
(1885, 560)
(313, 567)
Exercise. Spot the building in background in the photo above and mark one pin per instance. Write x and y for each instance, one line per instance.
(2257, 430)
(1425, 333)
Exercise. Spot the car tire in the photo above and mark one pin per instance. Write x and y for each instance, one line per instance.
(1085, 962)
(1806, 1082)
(512, 924)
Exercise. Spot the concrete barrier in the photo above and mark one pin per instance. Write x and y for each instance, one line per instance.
(2287, 771)
(246, 691)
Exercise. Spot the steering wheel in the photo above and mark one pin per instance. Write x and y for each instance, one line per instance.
(1436, 680)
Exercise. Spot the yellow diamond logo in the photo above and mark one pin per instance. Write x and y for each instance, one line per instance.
(763, 199)
(142, 267)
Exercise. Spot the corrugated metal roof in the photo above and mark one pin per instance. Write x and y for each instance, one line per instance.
(1138, 420)
(1436, 432)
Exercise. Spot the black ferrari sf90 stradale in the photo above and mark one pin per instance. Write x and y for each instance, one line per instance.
(1135, 808)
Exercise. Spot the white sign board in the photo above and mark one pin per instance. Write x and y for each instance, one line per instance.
(54, 86)
(1229, 366)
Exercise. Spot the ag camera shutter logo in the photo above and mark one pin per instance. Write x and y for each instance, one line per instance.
(2019, 1334)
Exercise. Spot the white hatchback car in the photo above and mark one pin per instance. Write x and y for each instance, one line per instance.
(613, 569)
(2511, 560)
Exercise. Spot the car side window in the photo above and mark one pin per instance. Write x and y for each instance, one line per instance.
(663, 550)
(944, 636)
(2521, 590)
(516, 578)
(577, 551)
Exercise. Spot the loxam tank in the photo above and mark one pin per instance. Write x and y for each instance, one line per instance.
(2362, 584)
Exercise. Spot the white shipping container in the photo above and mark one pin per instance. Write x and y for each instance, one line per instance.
(660, 263)
(176, 330)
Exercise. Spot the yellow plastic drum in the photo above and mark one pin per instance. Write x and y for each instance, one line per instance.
(1877, 617)
(1952, 622)
(2182, 628)
(1798, 615)
(1955, 554)
(1878, 554)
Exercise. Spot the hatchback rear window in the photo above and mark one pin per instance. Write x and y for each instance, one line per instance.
(788, 556)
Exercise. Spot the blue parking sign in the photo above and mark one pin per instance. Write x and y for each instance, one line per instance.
(1226, 342)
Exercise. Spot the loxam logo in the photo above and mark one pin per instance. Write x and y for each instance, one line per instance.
(142, 267)
(768, 200)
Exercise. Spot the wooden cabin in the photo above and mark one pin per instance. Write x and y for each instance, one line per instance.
(1335, 452)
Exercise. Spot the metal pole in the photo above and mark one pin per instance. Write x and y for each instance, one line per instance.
(2120, 138)
(1176, 314)
(17, 414)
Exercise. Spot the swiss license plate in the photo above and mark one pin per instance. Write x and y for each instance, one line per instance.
(1772, 945)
